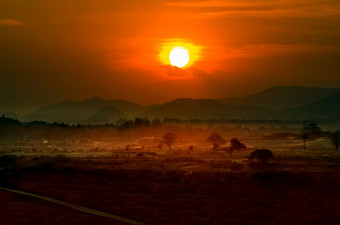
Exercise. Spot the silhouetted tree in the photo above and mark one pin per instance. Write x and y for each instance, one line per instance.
(127, 124)
(169, 139)
(216, 140)
(335, 139)
(313, 131)
(139, 122)
(120, 121)
(261, 155)
(312, 127)
(236, 144)
(146, 121)
(156, 122)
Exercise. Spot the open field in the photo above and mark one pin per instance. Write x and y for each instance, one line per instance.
(130, 175)
(181, 196)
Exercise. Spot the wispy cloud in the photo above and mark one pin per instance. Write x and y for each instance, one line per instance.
(203, 4)
(251, 3)
(11, 22)
(292, 7)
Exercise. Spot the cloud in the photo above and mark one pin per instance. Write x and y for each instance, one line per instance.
(173, 71)
(11, 22)
(256, 7)
(271, 4)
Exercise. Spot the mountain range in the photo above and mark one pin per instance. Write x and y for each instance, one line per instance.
(293, 102)
(187, 108)
(92, 111)
(281, 97)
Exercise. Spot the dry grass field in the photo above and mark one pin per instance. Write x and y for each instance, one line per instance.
(134, 178)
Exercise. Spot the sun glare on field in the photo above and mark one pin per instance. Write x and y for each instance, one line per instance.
(179, 56)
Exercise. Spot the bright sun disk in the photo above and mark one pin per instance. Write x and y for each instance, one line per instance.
(179, 56)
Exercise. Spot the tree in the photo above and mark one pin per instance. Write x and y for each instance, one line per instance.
(236, 144)
(216, 140)
(335, 139)
(261, 155)
(312, 130)
(169, 139)
(312, 127)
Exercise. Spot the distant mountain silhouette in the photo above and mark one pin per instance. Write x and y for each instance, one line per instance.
(325, 108)
(207, 109)
(284, 97)
(274, 103)
(106, 115)
(77, 111)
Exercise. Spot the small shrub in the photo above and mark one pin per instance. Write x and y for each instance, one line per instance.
(236, 144)
(261, 155)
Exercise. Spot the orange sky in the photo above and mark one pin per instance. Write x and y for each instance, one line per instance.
(76, 49)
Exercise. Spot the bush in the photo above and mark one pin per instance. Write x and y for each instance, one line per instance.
(236, 144)
(261, 155)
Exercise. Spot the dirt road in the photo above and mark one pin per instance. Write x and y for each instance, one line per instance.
(75, 207)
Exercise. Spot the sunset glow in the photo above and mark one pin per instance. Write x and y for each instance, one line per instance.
(119, 49)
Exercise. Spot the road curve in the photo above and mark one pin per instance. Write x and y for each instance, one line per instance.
(76, 207)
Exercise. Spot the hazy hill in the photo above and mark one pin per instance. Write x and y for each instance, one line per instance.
(106, 115)
(325, 108)
(76, 111)
(274, 103)
(207, 109)
(284, 97)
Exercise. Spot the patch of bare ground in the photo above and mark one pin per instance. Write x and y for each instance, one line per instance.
(17, 209)
(199, 197)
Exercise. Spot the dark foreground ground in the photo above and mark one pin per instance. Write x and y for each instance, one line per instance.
(173, 196)
(16, 209)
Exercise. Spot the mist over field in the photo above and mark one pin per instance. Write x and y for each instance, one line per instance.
(187, 161)
(200, 170)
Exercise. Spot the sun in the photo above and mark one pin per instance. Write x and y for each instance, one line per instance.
(179, 56)
(179, 53)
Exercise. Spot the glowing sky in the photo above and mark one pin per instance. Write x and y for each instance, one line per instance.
(52, 51)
